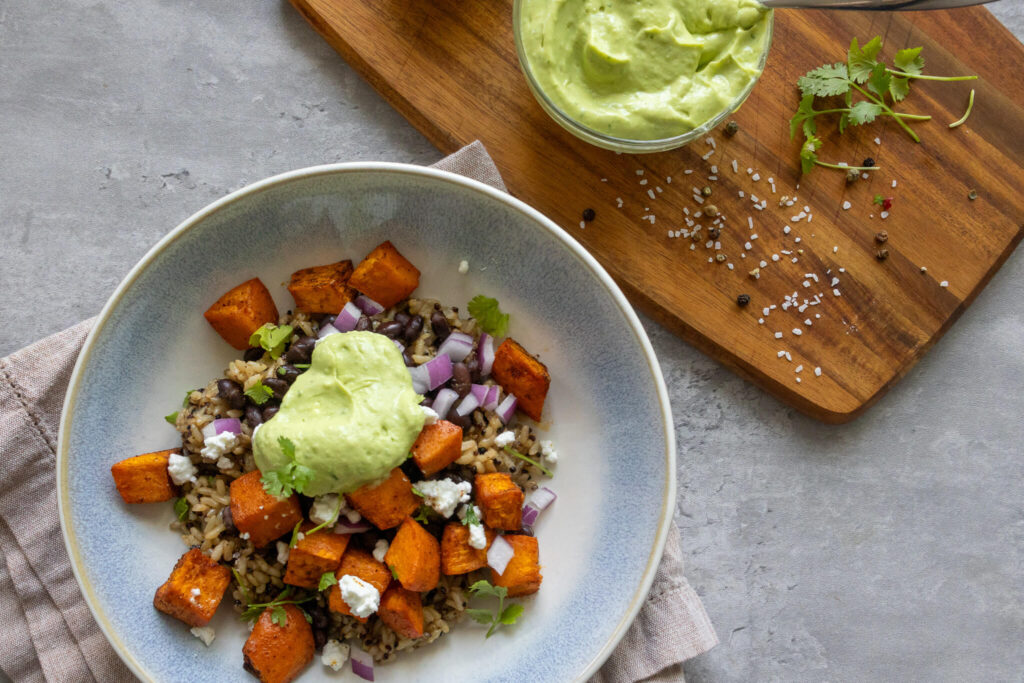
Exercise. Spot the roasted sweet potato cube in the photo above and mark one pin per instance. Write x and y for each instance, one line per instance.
(194, 589)
(359, 563)
(437, 446)
(322, 289)
(388, 503)
(313, 556)
(501, 501)
(402, 610)
(385, 276)
(521, 374)
(242, 311)
(415, 557)
(522, 574)
(259, 514)
(277, 653)
(144, 478)
(457, 555)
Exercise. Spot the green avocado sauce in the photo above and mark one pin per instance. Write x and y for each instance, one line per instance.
(644, 69)
(352, 416)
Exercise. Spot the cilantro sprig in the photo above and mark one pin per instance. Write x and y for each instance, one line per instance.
(489, 315)
(260, 393)
(494, 618)
(330, 520)
(181, 508)
(880, 86)
(172, 419)
(272, 338)
(288, 478)
(470, 519)
(533, 462)
(327, 579)
(276, 606)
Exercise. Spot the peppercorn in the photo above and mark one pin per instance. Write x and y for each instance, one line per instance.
(711, 210)
(714, 232)
(881, 236)
(732, 128)
(720, 258)
(588, 215)
(852, 175)
(743, 300)
(972, 195)
(882, 254)
(706, 191)
(869, 162)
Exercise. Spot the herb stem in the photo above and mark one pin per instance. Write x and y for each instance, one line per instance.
(912, 117)
(888, 110)
(532, 462)
(970, 106)
(847, 168)
(924, 77)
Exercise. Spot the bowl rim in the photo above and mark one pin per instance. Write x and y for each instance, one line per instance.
(574, 247)
(629, 145)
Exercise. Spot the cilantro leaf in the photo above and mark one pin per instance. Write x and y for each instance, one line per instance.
(489, 315)
(287, 447)
(394, 574)
(899, 88)
(276, 606)
(416, 491)
(172, 418)
(278, 615)
(306, 615)
(481, 616)
(484, 587)
(260, 393)
(909, 61)
(864, 112)
(809, 154)
(327, 579)
(181, 508)
(804, 117)
(510, 614)
(825, 81)
(878, 200)
(423, 515)
(273, 485)
(290, 477)
(879, 81)
(295, 535)
(861, 60)
(301, 366)
(471, 517)
(272, 338)
(184, 403)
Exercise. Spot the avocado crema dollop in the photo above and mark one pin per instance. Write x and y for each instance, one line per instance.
(352, 416)
(643, 69)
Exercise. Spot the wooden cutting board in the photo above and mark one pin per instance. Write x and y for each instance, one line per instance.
(450, 67)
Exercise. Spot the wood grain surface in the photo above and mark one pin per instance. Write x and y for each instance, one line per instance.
(450, 67)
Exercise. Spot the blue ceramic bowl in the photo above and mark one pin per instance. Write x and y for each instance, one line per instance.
(607, 412)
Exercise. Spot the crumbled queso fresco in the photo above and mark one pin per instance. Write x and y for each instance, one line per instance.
(361, 597)
(429, 416)
(204, 633)
(444, 495)
(335, 654)
(180, 469)
(282, 552)
(477, 535)
(380, 549)
(214, 447)
(322, 510)
(504, 439)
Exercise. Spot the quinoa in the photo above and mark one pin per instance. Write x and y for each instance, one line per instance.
(258, 572)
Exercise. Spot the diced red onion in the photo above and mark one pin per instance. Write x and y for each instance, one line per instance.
(347, 319)
(507, 408)
(491, 401)
(443, 401)
(327, 330)
(479, 391)
(543, 497)
(530, 515)
(467, 406)
(485, 353)
(420, 379)
(457, 346)
(439, 371)
(343, 526)
(368, 305)
(224, 424)
(500, 554)
(362, 664)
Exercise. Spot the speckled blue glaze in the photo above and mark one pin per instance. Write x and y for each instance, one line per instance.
(607, 411)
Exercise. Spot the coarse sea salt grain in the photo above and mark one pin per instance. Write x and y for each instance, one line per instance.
(775, 257)
(798, 368)
(878, 141)
(755, 177)
(583, 225)
(780, 354)
(894, 183)
(735, 166)
(778, 335)
(944, 283)
(817, 372)
(797, 331)
(884, 215)
(786, 230)
(644, 181)
(846, 206)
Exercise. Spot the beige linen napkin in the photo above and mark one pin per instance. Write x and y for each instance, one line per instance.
(46, 630)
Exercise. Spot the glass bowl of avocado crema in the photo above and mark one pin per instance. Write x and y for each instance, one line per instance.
(641, 75)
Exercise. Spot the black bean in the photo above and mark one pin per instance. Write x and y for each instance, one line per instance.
(319, 638)
(289, 373)
(464, 421)
(253, 416)
(407, 357)
(461, 379)
(440, 325)
(413, 328)
(226, 518)
(270, 411)
(391, 329)
(402, 317)
(278, 386)
(231, 392)
(301, 350)
(319, 616)
(327, 320)
(254, 353)
(364, 324)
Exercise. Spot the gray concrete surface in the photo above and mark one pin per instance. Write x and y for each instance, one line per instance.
(889, 549)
